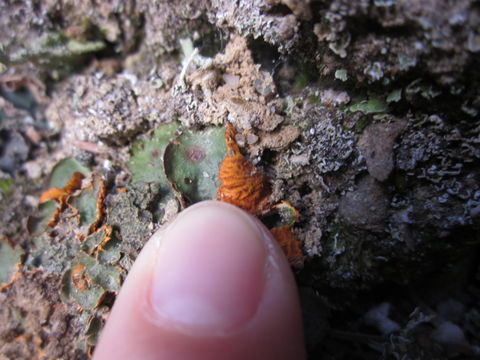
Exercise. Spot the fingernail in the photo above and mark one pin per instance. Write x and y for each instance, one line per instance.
(209, 273)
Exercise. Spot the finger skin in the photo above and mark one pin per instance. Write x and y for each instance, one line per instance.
(134, 329)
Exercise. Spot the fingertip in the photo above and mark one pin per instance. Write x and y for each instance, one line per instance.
(214, 284)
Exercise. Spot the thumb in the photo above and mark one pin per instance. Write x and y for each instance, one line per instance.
(212, 285)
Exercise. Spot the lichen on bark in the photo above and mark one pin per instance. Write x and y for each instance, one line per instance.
(363, 113)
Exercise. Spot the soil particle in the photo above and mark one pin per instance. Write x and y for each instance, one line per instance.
(101, 109)
(33, 319)
(379, 154)
(366, 206)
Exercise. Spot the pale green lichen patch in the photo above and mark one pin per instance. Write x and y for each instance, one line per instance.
(82, 47)
(87, 298)
(74, 219)
(59, 177)
(52, 255)
(38, 223)
(146, 163)
(394, 96)
(88, 281)
(104, 246)
(341, 74)
(192, 162)
(86, 203)
(93, 330)
(63, 171)
(93, 241)
(110, 252)
(184, 163)
(371, 106)
(55, 51)
(79, 248)
(10, 261)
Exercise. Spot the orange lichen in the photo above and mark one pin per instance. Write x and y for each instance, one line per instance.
(80, 279)
(289, 243)
(242, 184)
(16, 275)
(41, 354)
(101, 197)
(61, 195)
(90, 350)
(75, 187)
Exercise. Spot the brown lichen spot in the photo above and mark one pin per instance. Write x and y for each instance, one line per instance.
(80, 237)
(155, 153)
(22, 337)
(101, 299)
(195, 154)
(242, 184)
(290, 244)
(80, 279)
(379, 155)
